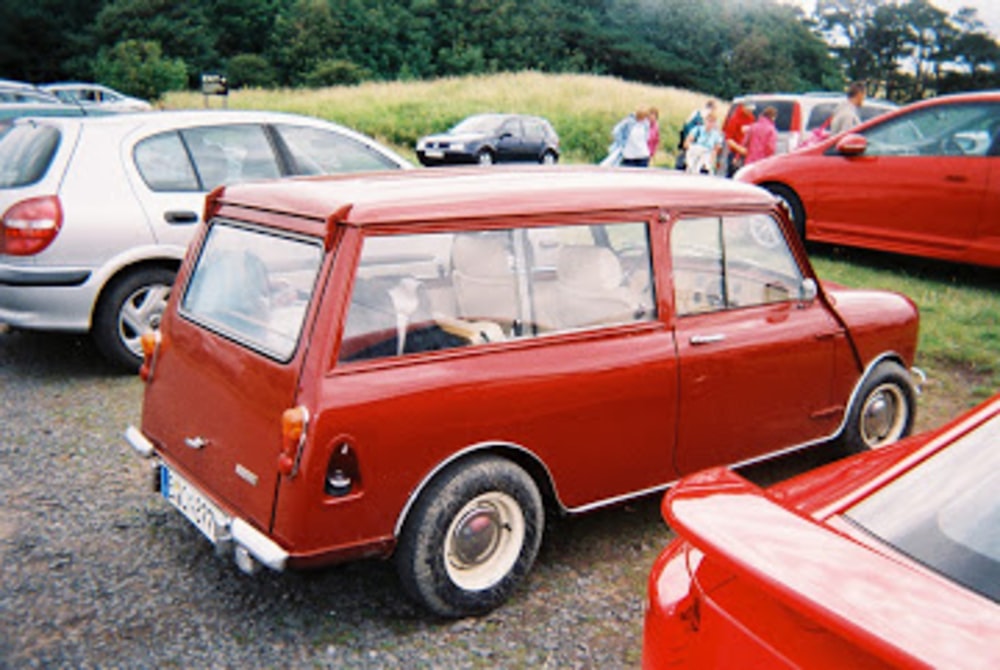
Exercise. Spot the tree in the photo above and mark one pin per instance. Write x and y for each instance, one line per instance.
(249, 70)
(138, 68)
(927, 33)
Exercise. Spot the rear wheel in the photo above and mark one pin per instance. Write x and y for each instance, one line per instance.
(471, 537)
(883, 410)
(130, 305)
(792, 203)
(549, 158)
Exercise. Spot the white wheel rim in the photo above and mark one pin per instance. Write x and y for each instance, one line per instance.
(141, 311)
(549, 159)
(883, 416)
(484, 541)
(486, 158)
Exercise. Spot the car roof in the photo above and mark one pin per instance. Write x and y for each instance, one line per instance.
(812, 96)
(425, 195)
(180, 118)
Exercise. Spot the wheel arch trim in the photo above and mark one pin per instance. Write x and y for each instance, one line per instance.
(519, 455)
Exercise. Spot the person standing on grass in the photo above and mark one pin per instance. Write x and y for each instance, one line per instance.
(696, 119)
(635, 153)
(762, 136)
(845, 116)
(654, 132)
(735, 131)
(704, 145)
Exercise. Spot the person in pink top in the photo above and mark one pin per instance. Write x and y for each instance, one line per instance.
(762, 137)
(654, 131)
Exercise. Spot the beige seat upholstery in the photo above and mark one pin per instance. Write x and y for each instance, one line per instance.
(590, 290)
(485, 286)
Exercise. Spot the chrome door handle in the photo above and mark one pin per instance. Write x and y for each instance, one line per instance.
(196, 442)
(707, 339)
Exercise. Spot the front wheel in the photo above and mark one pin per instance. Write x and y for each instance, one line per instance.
(883, 410)
(471, 537)
(130, 305)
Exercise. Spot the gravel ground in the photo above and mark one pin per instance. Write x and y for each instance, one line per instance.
(97, 571)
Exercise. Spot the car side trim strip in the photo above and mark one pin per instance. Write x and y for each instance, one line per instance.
(18, 277)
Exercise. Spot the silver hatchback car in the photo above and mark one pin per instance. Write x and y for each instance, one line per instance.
(97, 212)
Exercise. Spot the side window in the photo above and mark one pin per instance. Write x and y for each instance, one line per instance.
(586, 276)
(317, 151)
(430, 291)
(229, 154)
(164, 165)
(820, 114)
(942, 130)
(732, 262)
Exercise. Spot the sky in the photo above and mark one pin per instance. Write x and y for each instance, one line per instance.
(989, 10)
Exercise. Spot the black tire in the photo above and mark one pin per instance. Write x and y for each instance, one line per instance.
(131, 304)
(549, 157)
(499, 508)
(883, 410)
(485, 157)
(795, 209)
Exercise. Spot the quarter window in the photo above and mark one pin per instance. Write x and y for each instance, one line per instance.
(423, 292)
(730, 263)
(164, 165)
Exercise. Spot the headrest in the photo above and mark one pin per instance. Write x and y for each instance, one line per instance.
(589, 267)
(481, 255)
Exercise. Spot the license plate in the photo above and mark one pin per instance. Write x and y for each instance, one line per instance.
(434, 153)
(206, 517)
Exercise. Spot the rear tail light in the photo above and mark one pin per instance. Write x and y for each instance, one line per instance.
(294, 423)
(150, 342)
(30, 225)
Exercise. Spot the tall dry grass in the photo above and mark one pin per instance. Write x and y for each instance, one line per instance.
(583, 108)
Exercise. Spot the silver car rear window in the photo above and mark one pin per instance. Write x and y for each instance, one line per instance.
(26, 152)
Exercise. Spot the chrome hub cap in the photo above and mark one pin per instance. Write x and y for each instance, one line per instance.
(140, 312)
(484, 541)
(883, 417)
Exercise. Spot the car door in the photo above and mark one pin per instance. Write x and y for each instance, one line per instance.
(510, 141)
(179, 167)
(920, 183)
(756, 355)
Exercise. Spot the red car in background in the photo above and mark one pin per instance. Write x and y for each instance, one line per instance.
(922, 180)
(890, 558)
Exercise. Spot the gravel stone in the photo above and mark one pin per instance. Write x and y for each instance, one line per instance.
(98, 571)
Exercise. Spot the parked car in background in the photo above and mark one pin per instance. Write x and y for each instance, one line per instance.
(97, 212)
(922, 180)
(799, 114)
(95, 95)
(889, 559)
(492, 138)
(19, 99)
(18, 91)
(418, 366)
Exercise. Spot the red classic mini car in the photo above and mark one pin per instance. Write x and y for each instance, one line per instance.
(921, 180)
(889, 559)
(419, 366)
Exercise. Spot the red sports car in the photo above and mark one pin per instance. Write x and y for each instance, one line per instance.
(890, 558)
(922, 180)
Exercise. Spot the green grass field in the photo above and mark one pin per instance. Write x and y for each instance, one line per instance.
(582, 108)
(960, 307)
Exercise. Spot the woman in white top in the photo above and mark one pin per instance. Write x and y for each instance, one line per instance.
(635, 153)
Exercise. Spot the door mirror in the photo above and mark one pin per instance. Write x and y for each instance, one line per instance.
(808, 290)
(852, 145)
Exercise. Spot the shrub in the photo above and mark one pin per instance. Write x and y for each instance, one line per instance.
(138, 67)
(249, 70)
(335, 72)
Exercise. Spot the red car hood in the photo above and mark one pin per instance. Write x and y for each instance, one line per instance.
(901, 614)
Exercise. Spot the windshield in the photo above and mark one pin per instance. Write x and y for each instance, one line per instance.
(482, 123)
(26, 152)
(945, 513)
(254, 286)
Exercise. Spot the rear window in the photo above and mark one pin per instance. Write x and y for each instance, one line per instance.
(26, 152)
(253, 286)
(945, 513)
(783, 122)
